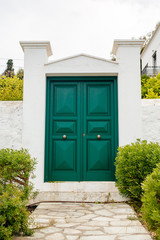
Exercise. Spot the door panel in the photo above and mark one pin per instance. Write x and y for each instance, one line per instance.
(98, 155)
(64, 155)
(81, 136)
(98, 101)
(98, 145)
(102, 127)
(65, 143)
(65, 100)
(64, 127)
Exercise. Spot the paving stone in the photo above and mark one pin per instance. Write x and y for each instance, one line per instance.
(122, 210)
(58, 214)
(96, 223)
(86, 222)
(95, 207)
(48, 205)
(111, 237)
(119, 216)
(85, 228)
(45, 216)
(38, 235)
(66, 225)
(78, 214)
(104, 219)
(56, 236)
(93, 233)
(39, 220)
(50, 230)
(88, 216)
(71, 231)
(135, 237)
(104, 213)
(117, 205)
(77, 220)
(126, 229)
(69, 237)
(125, 223)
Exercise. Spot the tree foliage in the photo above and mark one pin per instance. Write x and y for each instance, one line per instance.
(150, 86)
(20, 74)
(11, 89)
(9, 72)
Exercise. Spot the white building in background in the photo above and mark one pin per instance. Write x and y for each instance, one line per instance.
(151, 54)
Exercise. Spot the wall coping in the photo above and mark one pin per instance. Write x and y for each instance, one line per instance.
(125, 42)
(37, 45)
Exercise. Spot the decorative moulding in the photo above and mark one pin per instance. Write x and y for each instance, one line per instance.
(81, 55)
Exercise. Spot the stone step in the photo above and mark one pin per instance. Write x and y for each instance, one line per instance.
(79, 192)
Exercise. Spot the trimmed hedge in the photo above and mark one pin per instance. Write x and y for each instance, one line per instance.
(11, 89)
(133, 163)
(151, 200)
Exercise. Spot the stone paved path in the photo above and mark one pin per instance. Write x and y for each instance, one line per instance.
(86, 221)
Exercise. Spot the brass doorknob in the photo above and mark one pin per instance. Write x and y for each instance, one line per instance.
(64, 136)
(98, 136)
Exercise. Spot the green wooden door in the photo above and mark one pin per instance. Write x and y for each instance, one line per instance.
(81, 129)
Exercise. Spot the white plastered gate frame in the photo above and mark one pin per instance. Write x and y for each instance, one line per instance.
(37, 67)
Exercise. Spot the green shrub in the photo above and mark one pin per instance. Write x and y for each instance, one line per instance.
(151, 200)
(11, 89)
(16, 167)
(133, 163)
(150, 87)
(14, 217)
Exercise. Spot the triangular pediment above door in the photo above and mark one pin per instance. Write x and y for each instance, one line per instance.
(82, 63)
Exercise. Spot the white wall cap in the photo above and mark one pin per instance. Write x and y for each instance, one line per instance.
(38, 45)
(123, 42)
(81, 55)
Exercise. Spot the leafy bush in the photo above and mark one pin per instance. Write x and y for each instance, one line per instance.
(151, 200)
(16, 168)
(11, 89)
(133, 163)
(14, 217)
(150, 87)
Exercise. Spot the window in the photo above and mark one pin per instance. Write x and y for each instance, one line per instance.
(154, 56)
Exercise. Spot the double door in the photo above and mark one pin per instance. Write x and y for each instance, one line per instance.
(81, 125)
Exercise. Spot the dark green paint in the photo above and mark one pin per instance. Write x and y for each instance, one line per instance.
(77, 105)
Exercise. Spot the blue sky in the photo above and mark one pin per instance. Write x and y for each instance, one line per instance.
(73, 26)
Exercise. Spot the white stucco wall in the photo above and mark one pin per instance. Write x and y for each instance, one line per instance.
(11, 124)
(151, 119)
